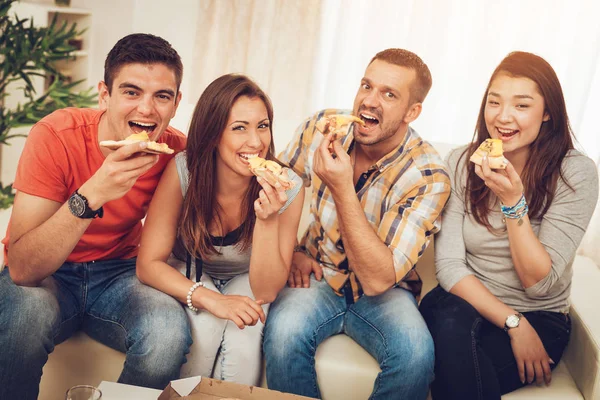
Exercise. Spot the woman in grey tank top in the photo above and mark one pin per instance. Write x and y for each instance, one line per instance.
(218, 239)
(504, 256)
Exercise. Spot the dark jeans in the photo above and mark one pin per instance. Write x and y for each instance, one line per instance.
(473, 357)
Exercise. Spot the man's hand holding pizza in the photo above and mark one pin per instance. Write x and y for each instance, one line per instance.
(118, 174)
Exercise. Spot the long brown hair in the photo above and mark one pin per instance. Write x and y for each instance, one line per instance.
(209, 120)
(542, 169)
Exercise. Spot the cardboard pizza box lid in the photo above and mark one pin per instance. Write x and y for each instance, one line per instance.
(202, 388)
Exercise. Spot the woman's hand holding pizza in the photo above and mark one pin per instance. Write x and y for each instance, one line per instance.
(505, 183)
(270, 200)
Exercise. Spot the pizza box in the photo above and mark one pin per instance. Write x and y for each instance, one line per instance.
(202, 388)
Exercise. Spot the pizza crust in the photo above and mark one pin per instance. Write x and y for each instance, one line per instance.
(336, 124)
(153, 147)
(271, 172)
(493, 149)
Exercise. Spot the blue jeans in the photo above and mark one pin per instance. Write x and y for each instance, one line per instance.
(107, 301)
(473, 357)
(388, 326)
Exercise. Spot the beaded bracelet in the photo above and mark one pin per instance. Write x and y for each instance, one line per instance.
(189, 295)
(518, 211)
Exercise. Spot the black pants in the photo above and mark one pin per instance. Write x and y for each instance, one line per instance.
(473, 357)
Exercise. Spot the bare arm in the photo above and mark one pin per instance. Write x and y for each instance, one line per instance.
(380, 262)
(158, 238)
(43, 232)
(368, 256)
(269, 269)
(453, 273)
(456, 277)
(370, 259)
(34, 251)
(541, 259)
(531, 260)
(475, 293)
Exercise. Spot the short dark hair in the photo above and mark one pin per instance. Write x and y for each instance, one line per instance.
(408, 59)
(141, 48)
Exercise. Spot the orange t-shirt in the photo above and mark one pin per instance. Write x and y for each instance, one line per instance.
(60, 154)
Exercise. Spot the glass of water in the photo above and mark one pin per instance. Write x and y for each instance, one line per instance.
(83, 392)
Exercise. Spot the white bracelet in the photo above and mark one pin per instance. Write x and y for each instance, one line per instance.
(189, 295)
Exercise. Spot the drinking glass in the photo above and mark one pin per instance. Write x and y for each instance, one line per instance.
(83, 392)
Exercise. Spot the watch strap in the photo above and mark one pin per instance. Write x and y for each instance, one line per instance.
(506, 327)
(88, 212)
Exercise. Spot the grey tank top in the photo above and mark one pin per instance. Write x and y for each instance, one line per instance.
(231, 261)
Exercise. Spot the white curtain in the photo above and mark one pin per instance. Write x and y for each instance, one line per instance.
(272, 41)
(462, 41)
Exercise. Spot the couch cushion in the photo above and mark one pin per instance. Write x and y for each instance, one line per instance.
(562, 388)
(344, 369)
(582, 354)
(79, 361)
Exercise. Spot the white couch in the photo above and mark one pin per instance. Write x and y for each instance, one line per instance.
(346, 371)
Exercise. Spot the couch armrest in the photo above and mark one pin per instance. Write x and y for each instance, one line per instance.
(583, 352)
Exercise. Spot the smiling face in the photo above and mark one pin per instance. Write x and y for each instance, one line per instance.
(246, 135)
(143, 97)
(514, 113)
(383, 102)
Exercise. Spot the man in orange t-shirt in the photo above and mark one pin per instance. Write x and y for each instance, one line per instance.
(76, 225)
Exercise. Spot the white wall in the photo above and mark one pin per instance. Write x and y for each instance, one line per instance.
(175, 21)
(462, 41)
(460, 55)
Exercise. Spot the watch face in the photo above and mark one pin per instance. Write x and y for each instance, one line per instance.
(76, 205)
(512, 321)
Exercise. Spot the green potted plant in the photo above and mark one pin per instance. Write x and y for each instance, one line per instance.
(27, 51)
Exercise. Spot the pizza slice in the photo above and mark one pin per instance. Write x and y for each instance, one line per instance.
(271, 172)
(336, 124)
(493, 149)
(153, 147)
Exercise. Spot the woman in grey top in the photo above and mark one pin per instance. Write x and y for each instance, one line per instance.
(499, 318)
(231, 236)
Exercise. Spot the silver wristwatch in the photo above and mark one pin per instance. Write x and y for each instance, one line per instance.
(512, 321)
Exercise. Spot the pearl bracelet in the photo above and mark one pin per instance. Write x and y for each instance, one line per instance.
(189, 295)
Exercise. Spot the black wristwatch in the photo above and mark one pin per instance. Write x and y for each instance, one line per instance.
(79, 207)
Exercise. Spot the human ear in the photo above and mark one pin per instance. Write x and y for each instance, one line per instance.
(413, 113)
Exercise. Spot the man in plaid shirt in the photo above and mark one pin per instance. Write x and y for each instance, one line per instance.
(377, 197)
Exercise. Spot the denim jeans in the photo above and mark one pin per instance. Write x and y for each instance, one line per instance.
(473, 357)
(387, 326)
(222, 350)
(107, 301)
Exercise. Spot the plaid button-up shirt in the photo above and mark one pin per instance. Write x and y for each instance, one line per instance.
(402, 199)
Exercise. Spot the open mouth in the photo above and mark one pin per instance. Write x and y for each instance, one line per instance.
(506, 134)
(246, 156)
(369, 120)
(139, 127)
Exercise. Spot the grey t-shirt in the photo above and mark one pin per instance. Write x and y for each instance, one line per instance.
(464, 247)
(232, 260)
